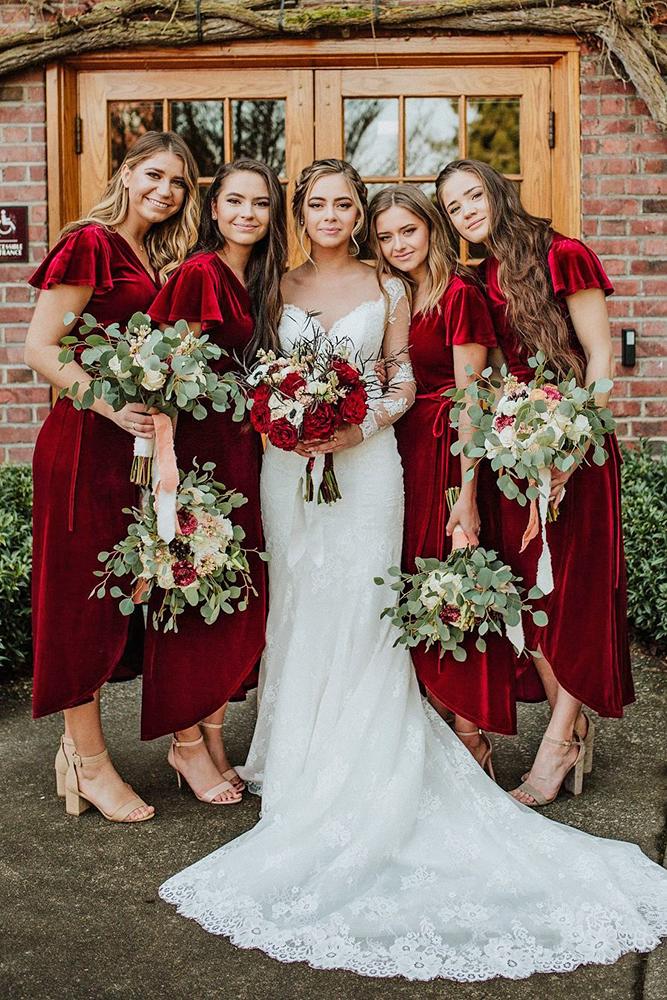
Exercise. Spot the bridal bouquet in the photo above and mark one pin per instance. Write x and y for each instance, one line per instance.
(471, 592)
(533, 428)
(205, 565)
(166, 370)
(304, 395)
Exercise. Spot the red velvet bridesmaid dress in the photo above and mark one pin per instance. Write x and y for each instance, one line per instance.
(189, 675)
(481, 688)
(586, 639)
(81, 470)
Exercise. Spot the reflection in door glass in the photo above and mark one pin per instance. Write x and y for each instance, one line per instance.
(258, 131)
(431, 133)
(128, 120)
(371, 135)
(493, 132)
(201, 125)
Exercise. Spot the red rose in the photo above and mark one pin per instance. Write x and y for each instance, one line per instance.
(260, 416)
(283, 434)
(450, 615)
(262, 393)
(291, 384)
(347, 374)
(184, 573)
(320, 422)
(354, 407)
(187, 522)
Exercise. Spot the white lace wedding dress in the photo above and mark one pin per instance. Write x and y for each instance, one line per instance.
(382, 847)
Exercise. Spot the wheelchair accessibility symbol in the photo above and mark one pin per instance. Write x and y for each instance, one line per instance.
(13, 234)
(7, 224)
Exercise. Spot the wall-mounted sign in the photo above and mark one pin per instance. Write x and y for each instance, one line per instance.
(13, 234)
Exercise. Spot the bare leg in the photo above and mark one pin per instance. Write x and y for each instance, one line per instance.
(83, 725)
(212, 729)
(552, 689)
(553, 762)
(445, 713)
(197, 767)
(471, 737)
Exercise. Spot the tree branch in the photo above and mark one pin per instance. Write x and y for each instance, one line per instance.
(623, 26)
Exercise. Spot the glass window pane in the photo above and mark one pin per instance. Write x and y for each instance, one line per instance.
(201, 124)
(371, 135)
(493, 132)
(431, 134)
(127, 121)
(258, 131)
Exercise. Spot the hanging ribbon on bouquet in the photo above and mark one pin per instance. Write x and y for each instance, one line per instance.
(537, 518)
(164, 477)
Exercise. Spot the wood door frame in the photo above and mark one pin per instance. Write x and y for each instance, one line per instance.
(560, 54)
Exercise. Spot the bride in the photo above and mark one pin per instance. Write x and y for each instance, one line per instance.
(382, 847)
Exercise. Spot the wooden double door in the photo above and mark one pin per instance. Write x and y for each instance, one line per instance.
(395, 124)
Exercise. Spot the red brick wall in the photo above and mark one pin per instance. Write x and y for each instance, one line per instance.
(624, 185)
(24, 400)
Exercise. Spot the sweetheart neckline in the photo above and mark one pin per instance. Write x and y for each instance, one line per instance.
(327, 333)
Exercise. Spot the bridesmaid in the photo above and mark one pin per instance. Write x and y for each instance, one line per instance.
(231, 289)
(110, 264)
(547, 292)
(450, 329)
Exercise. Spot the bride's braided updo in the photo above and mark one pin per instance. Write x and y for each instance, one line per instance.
(305, 181)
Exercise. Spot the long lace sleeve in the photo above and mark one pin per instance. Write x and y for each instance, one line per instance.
(400, 392)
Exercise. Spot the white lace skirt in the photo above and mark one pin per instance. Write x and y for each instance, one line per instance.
(383, 848)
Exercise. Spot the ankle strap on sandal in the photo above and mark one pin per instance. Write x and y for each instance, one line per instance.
(211, 725)
(562, 743)
(464, 733)
(80, 761)
(186, 743)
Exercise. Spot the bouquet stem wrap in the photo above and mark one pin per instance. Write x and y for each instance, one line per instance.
(142, 463)
(165, 477)
(538, 518)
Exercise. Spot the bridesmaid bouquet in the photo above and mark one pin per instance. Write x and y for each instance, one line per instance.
(304, 395)
(471, 593)
(533, 428)
(205, 565)
(166, 370)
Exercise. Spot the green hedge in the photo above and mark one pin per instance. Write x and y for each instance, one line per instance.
(644, 476)
(15, 562)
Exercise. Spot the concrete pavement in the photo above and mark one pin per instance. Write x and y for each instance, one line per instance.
(79, 904)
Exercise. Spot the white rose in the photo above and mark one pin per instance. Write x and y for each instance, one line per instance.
(114, 366)
(580, 428)
(153, 379)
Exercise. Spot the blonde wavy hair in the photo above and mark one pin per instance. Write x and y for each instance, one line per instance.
(441, 259)
(167, 242)
(305, 181)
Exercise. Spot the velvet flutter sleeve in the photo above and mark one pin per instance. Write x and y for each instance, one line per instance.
(466, 315)
(83, 257)
(194, 292)
(574, 267)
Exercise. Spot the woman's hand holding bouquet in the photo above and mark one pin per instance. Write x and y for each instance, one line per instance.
(167, 371)
(307, 395)
(529, 431)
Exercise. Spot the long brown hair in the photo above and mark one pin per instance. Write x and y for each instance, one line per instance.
(441, 259)
(268, 258)
(167, 242)
(358, 193)
(521, 242)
